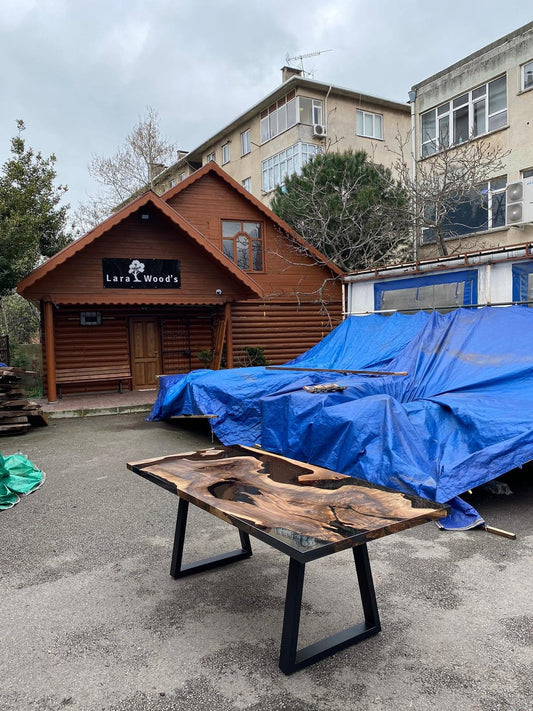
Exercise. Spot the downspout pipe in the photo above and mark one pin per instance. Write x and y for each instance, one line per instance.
(412, 101)
(326, 111)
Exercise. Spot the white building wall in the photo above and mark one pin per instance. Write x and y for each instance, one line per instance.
(495, 286)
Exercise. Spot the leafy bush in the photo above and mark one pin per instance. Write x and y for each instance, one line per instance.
(251, 356)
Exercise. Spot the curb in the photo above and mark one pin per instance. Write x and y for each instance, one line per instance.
(120, 410)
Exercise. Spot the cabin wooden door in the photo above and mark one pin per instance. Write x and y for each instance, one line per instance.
(145, 352)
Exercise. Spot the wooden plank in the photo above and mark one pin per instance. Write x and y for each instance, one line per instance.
(334, 370)
(14, 429)
(37, 419)
(18, 405)
(219, 342)
(13, 420)
(500, 532)
(7, 414)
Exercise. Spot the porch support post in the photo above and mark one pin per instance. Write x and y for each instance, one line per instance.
(229, 335)
(50, 348)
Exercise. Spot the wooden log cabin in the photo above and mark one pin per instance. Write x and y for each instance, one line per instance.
(205, 268)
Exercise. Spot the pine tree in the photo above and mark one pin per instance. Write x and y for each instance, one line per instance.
(32, 220)
(347, 207)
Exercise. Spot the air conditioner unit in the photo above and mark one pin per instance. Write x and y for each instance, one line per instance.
(319, 131)
(520, 201)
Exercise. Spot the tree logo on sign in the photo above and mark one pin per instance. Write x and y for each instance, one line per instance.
(136, 268)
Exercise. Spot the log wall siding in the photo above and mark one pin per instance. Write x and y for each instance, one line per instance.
(184, 332)
(80, 279)
(283, 330)
(286, 272)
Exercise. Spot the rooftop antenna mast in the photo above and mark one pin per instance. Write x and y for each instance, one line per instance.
(301, 57)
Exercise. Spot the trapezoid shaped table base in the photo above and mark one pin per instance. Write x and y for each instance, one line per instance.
(178, 570)
(291, 659)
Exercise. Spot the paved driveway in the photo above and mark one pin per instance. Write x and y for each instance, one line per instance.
(90, 618)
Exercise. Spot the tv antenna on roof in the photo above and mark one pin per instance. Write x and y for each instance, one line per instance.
(300, 58)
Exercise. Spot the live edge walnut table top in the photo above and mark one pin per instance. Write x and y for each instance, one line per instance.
(305, 511)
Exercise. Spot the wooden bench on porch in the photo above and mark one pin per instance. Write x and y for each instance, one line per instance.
(99, 373)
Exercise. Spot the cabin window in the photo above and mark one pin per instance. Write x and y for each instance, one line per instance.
(90, 318)
(242, 242)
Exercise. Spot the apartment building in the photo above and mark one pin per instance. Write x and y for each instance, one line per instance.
(488, 96)
(298, 120)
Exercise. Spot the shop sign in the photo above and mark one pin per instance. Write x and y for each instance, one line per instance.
(141, 273)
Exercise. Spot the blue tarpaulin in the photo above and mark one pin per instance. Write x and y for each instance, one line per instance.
(234, 395)
(462, 416)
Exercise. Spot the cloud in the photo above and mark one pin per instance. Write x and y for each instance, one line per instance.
(81, 73)
(12, 14)
(123, 45)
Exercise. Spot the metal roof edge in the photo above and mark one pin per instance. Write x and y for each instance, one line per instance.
(465, 260)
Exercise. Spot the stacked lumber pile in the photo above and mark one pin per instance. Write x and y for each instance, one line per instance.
(17, 414)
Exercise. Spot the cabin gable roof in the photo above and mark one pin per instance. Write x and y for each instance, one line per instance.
(147, 200)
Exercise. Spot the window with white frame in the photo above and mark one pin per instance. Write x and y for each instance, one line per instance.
(275, 169)
(472, 114)
(527, 76)
(483, 209)
(287, 112)
(247, 184)
(211, 157)
(225, 153)
(527, 173)
(182, 177)
(309, 110)
(368, 124)
(246, 144)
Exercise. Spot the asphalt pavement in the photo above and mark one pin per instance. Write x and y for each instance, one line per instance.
(91, 619)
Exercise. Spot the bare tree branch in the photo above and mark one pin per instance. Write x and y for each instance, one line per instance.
(144, 154)
(454, 176)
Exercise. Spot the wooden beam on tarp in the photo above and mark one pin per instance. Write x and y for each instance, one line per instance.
(334, 370)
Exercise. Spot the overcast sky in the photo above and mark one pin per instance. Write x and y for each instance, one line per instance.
(80, 73)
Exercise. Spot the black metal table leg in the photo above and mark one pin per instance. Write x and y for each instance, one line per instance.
(177, 570)
(366, 586)
(290, 659)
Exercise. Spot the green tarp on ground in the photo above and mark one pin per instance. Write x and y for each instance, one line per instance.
(18, 477)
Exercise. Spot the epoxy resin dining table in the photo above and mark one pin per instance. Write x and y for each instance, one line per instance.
(305, 511)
